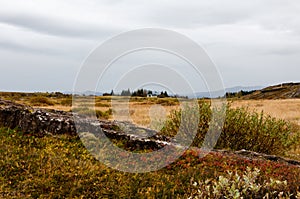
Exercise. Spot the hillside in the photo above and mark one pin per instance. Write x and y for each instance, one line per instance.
(281, 91)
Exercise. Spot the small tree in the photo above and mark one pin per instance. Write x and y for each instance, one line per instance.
(126, 93)
(112, 93)
(166, 94)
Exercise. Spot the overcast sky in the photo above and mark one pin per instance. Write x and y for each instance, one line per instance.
(43, 43)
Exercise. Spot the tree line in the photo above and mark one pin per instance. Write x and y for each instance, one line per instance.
(139, 93)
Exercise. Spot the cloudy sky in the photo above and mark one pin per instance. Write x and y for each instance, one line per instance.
(43, 43)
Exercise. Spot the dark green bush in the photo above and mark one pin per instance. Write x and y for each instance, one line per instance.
(242, 129)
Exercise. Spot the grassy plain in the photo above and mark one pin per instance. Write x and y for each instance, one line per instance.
(153, 112)
(140, 108)
(60, 167)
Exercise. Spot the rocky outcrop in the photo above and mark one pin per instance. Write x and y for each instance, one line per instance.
(36, 121)
(40, 122)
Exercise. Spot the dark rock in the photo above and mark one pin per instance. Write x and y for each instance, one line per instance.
(40, 122)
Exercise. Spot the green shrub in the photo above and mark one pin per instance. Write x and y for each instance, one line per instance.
(104, 114)
(40, 100)
(257, 132)
(242, 129)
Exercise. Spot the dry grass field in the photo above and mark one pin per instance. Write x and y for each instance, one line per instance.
(288, 109)
(142, 109)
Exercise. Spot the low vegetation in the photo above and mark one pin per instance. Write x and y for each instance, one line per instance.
(247, 185)
(242, 129)
(61, 167)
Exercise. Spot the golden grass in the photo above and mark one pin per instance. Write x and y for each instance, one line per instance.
(150, 115)
(140, 108)
(288, 109)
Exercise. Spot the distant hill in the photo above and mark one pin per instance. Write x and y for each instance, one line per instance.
(281, 91)
(227, 90)
(86, 93)
(243, 88)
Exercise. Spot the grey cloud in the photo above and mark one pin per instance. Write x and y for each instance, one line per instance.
(57, 27)
(198, 13)
(269, 14)
(15, 47)
(247, 40)
(283, 50)
(71, 54)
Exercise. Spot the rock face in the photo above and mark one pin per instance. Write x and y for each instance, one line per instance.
(36, 121)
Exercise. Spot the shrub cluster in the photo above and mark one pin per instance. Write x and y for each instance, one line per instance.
(242, 129)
